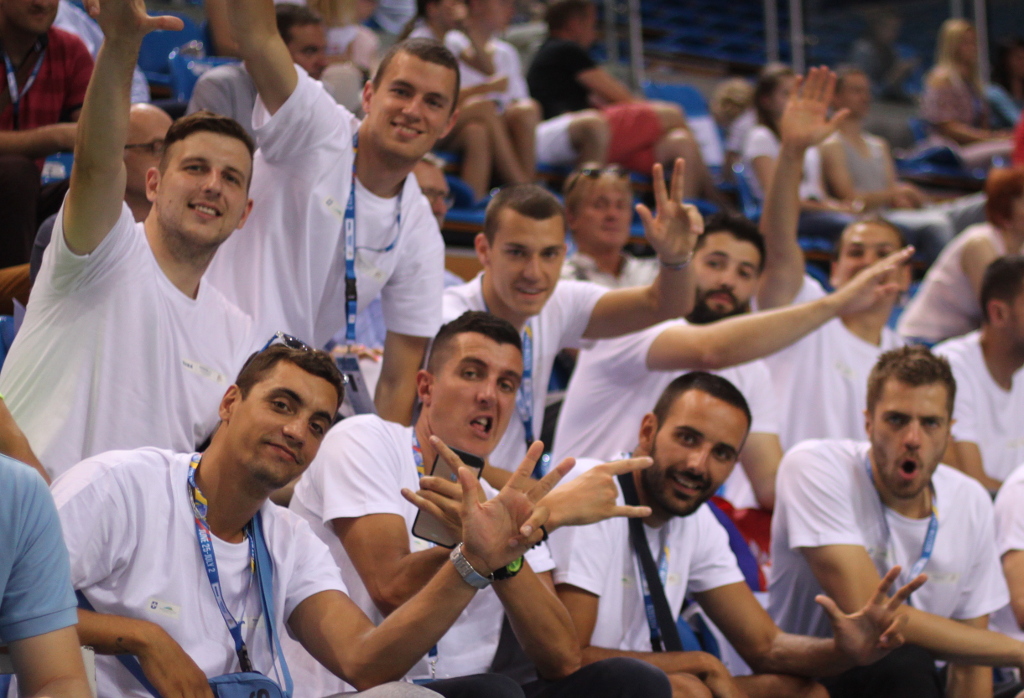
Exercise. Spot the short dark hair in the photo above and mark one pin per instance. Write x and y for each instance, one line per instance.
(767, 80)
(915, 366)
(1003, 280)
(847, 70)
(561, 12)
(530, 200)
(740, 227)
(290, 16)
(492, 326)
(871, 219)
(710, 383)
(428, 50)
(313, 361)
(203, 120)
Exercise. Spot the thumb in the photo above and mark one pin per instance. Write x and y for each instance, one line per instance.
(165, 23)
(833, 611)
(837, 118)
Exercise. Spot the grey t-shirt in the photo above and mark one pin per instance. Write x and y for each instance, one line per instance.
(226, 90)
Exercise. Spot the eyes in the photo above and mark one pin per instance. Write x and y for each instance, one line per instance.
(899, 421)
(744, 271)
(318, 427)
(200, 169)
(505, 384)
(434, 101)
(691, 438)
(547, 254)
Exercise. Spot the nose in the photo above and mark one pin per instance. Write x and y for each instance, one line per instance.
(698, 460)
(294, 431)
(532, 268)
(213, 180)
(487, 393)
(912, 437)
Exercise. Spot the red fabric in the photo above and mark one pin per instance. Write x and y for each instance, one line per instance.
(635, 129)
(1018, 143)
(755, 525)
(59, 88)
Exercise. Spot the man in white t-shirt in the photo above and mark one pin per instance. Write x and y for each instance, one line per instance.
(1010, 546)
(292, 271)
(352, 496)
(988, 431)
(848, 510)
(125, 343)
(521, 249)
(694, 435)
(131, 520)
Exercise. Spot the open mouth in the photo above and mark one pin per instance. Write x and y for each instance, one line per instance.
(405, 130)
(908, 468)
(482, 425)
(205, 210)
(689, 484)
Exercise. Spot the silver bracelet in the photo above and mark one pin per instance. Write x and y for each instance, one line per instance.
(677, 265)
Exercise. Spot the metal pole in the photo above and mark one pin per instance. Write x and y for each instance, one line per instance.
(981, 28)
(956, 8)
(796, 35)
(611, 34)
(771, 30)
(636, 46)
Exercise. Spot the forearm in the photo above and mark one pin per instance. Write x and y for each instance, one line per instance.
(395, 395)
(399, 583)
(800, 655)
(669, 662)
(65, 687)
(110, 634)
(956, 642)
(784, 260)
(254, 26)
(37, 142)
(103, 124)
(541, 623)
(968, 681)
(962, 133)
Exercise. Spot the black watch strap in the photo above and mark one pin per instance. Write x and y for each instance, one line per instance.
(508, 571)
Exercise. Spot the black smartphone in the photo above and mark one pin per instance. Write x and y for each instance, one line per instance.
(427, 526)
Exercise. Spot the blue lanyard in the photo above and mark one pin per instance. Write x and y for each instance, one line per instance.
(210, 562)
(929, 538)
(12, 81)
(349, 233)
(417, 456)
(524, 397)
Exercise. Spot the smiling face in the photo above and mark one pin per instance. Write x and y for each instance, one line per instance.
(200, 192)
(468, 401)
(908, 429)
(410, 109)
(276, 430)
(600, 221)
(522, 265)
(726, 270)
(694, 451)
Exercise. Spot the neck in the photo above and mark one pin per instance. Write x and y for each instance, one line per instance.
(851, 127)
(230, 505)
(917, 507)
(868, 325)
(496, 307)
(139, 205)
(182, 269)
(379, 174)
(608, 260)
(1002, 358)
(17, 43)
(423, 434)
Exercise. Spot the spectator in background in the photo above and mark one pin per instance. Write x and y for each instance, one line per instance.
(51, 69)
(732, 106)
(348, 41)
(953, 102)
(947, 303)
(435, 18)
(876, 54)
(1005, 94)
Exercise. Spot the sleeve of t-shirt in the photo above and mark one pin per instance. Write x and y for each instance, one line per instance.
(576, 301)
(985, 590)
(411, 299)
(516, 79)
(78, 71)
(540, 558)
(624, 359)
(358, 471)
(762, 400)
(456, 301)
(1009, 515)
(309, 119)
(713, 564)
(817, 509)
(965, 425)
(37, 597)
(63, 272)
(761, 142)
(583, 554)
(572, 58)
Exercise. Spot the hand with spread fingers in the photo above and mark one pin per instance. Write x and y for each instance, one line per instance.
(805, 121)
(872, 632)
(593, 496)
(673, 229)
(128, 19)
(885, 279)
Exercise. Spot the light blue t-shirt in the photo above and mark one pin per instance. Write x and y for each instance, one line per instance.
(35, 577)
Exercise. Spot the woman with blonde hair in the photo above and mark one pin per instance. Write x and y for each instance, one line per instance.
(954, 104)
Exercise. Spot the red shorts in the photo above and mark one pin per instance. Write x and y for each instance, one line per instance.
(635, 129)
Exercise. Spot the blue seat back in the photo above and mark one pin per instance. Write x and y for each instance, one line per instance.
(186, 71)
(157, 46)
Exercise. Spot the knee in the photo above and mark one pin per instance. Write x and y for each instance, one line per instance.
(677, 143)
(670, 114)
(523, 111)
(624, 677)
(475, 136)
(589, 126)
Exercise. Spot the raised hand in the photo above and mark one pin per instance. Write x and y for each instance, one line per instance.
(882, 279)
(804, 122)
(872, 632)
(128, 19)
(674, 227)
(593, 496)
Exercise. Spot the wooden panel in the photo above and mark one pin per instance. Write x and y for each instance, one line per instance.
(465, 266)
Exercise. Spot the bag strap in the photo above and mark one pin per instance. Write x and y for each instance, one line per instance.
(662, 612)
(128, 661)
(265, 579)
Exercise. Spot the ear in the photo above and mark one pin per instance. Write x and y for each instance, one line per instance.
(998, 312)
(368, 92)
(867, 423)
(152, 183)
(424, 386)
(483, 249)
(245, 214)
(648, 432)
(229, 403)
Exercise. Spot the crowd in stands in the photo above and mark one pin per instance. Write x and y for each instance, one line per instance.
(256, 440)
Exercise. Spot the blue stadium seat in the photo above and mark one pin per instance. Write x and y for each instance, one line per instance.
(6, 336)
(154, 55)
(57, 167)
(186, 71)
(690, 98)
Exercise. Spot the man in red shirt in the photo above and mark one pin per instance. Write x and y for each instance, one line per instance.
(46, 71)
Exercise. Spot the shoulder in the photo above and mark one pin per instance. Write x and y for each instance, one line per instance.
(129, 471)
(939, 77)
(365, 428)
(959, 349)
(458, 299)
(64, 43)
(820, 459)
(968, 496)
(570, 292)
(21, 487)
(761, 141)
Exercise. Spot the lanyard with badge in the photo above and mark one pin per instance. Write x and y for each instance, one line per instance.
(524, 396)
(12, 81)
(933, 526)
(417, 457)
(199, 509)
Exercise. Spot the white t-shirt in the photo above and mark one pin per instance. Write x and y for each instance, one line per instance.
(946, 305)
(361, 468)
(286, 267)
(506, 64)
(559, 325)
(822, 380)
(824, 496)
(1009, 536)
(131, 534)
(113, 355)
(599, 559)
(986, 414)
(635, 271)
(612, 389)
(762, 142)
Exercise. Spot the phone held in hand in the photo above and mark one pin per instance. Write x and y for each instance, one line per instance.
(429, 527)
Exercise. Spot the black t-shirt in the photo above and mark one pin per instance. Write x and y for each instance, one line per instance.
(552, 77)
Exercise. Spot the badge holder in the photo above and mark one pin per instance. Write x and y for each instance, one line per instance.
(358, 399)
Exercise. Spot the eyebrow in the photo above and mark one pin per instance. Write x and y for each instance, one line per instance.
(297, 399)
(397, 82)
(199, 159)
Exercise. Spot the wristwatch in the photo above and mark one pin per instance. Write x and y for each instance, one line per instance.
(469, 575)
(508, 571)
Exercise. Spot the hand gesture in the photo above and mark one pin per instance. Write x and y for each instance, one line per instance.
(128, 19)
(593, 496)
(882, 279)
(674, 228)
(872, 632)
(804, 121)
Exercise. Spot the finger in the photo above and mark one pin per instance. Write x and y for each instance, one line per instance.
(894, 632)
(678, 180)
(829, 86)
(838, 118)
(646, 218)
(904, 592)
(441, 502)
(696, 220)
(631, 512)
(830, 607)
(92, 7)
(628, 465)
(450, 457)
(521, 479)
(658, 181)
(816, 84)
(548, 482)
(471, 490)
(165, 23)
(442, 486)
(422, 504)
(798, 88)
(882, 590)
(537, 519)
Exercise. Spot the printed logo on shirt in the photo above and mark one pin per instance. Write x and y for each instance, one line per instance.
(164, 608)
(368, 270)
(847, 372)
(673, 579)
(336, 208)
(204, 371)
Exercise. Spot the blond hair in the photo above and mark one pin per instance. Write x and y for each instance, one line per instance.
(951, 34)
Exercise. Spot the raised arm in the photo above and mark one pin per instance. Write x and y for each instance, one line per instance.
(254, 28)
(395, 395)
(96, 193)
(803, 125)
(672, 231)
